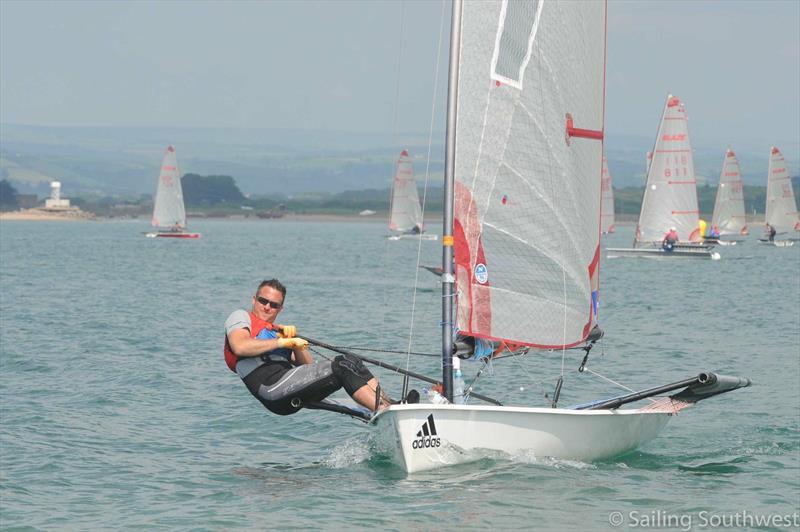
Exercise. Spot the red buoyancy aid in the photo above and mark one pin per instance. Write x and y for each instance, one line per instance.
(256, 326)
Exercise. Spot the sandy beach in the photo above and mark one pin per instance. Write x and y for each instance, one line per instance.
(41, 215)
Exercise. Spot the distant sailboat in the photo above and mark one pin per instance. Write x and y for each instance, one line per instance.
(670, 195)
(169, 214)
(607, 204)
(406, 213)
(728, 218)
(781, 207)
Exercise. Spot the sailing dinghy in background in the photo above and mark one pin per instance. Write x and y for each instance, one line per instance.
(781, 210)
(607, 221)
(406, 213)
(169, 213)
(522, 238)
(670, 195)
(729, 218)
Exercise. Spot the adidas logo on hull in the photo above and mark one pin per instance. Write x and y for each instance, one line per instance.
(427, 437)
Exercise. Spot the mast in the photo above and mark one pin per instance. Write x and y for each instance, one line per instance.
(448, 278)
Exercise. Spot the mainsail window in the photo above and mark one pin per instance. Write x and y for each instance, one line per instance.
(519, 20)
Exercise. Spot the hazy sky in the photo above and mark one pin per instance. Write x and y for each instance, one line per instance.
(333, 65)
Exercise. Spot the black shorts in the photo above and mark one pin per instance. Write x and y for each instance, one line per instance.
(284, 389)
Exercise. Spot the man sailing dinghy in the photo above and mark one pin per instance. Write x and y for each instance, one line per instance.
(781, 210)
(169, 213)
(522, 211)
(728, 218)
(405, 220)
(670, 195)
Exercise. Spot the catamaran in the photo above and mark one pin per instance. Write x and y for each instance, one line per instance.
(521, 245)
(405, 220)
(781, 207)
(169, 214)
(670, 195)
(607, 205)
(729, 219)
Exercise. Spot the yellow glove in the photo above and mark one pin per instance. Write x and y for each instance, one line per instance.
(287, 331)
(292, 343)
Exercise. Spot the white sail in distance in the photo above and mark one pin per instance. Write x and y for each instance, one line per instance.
(729, 215)
(607, 220)
(406, 213)
(670, 196)
(781, 206)
(168, 210)
(528, 159)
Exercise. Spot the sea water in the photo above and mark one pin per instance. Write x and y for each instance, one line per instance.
(117, 410)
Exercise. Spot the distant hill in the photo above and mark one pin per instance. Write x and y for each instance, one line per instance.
(104, 161)
(125, 160)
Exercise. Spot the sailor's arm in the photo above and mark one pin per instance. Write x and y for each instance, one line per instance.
(244, 346)
(301, 356)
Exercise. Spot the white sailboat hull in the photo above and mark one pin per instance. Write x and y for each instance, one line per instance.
(422, 236)
(657, 253)
(465, 433)
(778, 243)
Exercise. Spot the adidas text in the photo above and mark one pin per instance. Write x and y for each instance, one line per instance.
(426, 441)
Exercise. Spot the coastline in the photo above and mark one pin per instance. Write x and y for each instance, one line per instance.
(431, 220)
(332, 218)
(41, 215)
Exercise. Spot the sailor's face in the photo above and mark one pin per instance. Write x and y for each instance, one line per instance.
(264, 304)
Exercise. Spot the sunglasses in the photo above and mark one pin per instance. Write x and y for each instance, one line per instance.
(264, 301)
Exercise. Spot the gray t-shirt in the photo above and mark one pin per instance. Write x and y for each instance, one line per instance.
(240, 319)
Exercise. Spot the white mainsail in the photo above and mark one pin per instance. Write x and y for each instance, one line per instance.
(728, 215)
(670, 196)
(607, 220)
(527, 195)
(168, 211)
(406, 213)
(781, 207)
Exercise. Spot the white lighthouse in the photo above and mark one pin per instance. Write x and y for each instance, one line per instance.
(54, 202)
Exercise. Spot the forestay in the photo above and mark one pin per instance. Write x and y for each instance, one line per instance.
(781, 207)
(607, 220)
(406, 213)
(670, 196)
(728, 214)
(527, 190)
(168, 210)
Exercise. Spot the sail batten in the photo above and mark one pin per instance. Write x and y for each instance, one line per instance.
(168, 208)
(528, 166)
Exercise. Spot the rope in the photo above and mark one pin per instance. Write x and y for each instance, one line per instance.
(378, 350)
(616, 383)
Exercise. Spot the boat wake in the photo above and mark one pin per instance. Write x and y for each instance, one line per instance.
(351, 452)
(528, 457)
